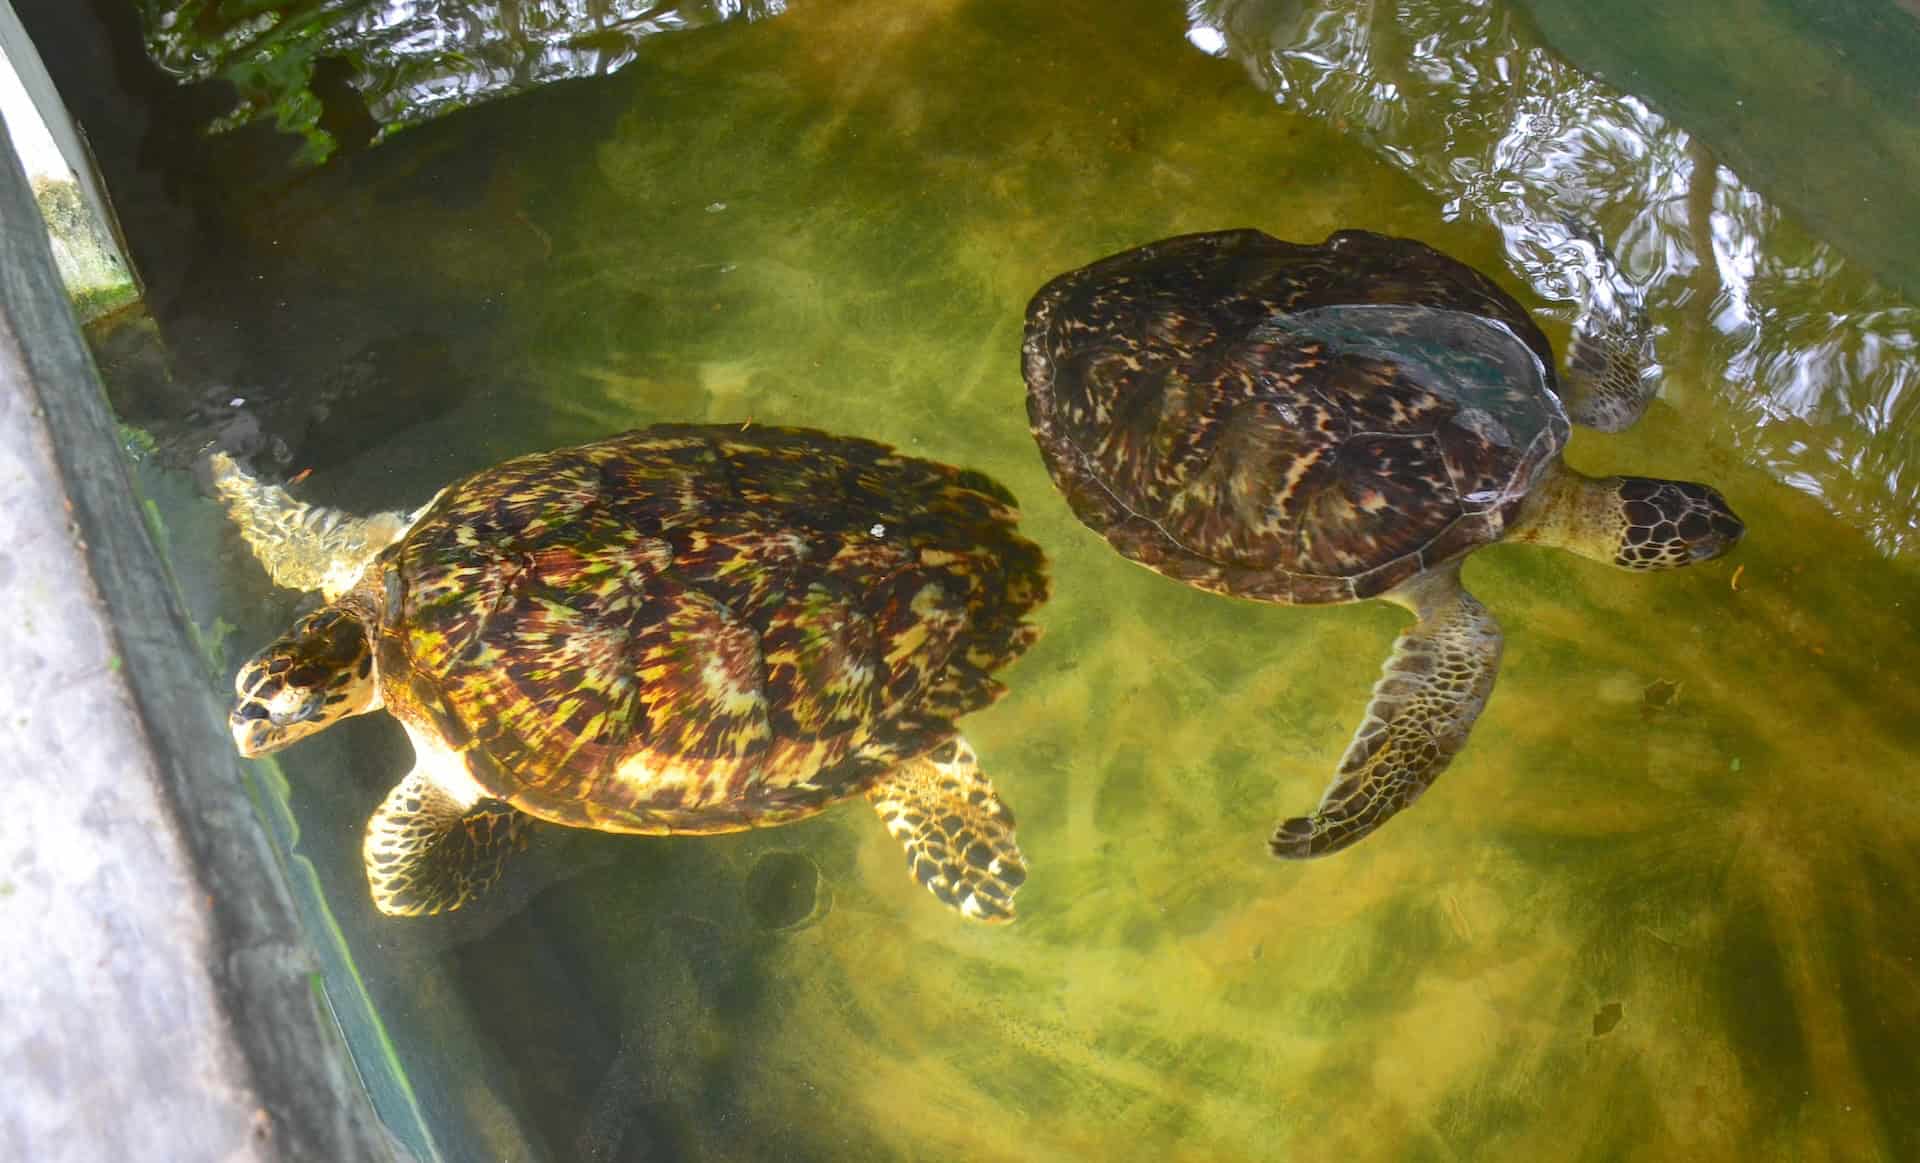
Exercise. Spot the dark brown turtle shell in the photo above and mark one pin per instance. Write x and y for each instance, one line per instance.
(698, 628)
(1285, 422)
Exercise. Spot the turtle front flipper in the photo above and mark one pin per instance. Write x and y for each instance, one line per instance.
(427, 854)
(302, 546)
(1430, 692)
(1608, 376)
(957, 833)
(1608, 379)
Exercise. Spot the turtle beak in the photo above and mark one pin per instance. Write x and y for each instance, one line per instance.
(1724, 529)
(254, 732)
(261, 727)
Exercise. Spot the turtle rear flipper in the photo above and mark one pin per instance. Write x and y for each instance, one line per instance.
(302, 546)
(1430, 691)
(957, 833)
(426, 854)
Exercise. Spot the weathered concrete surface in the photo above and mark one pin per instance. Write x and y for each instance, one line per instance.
(156, 994)
(110, 1026)
(93, 251)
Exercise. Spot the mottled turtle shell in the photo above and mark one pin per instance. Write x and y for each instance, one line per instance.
(1291, 423)
(698, 629)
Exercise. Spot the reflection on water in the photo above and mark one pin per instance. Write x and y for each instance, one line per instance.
(1817, 105)
(1461, 98)
(1661, 907)
(395, 63)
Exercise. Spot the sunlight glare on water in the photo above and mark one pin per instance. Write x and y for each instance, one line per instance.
(412, 60)
(1508, 134)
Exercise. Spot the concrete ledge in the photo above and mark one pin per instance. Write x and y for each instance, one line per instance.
(157, 997)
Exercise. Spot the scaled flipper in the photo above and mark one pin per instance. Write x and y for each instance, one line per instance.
(957, 833)
(425, 855)
(302, 546)
(1430, 691)
(1607, 380)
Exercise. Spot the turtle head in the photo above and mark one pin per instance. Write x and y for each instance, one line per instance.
(1663, 524)
(318, 673)
(1636, 523)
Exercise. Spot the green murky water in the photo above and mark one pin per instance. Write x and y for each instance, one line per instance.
(1662, 907)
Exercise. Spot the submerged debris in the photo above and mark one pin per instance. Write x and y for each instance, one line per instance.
(1661, 695)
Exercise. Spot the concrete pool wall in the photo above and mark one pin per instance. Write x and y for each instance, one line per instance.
(158, 998)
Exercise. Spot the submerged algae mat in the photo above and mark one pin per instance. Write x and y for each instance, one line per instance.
(1663, 906)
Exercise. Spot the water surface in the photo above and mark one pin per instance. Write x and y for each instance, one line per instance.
(1661, 907)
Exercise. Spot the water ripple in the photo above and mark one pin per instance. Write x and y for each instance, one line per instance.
(409, 60)
(1811, 358)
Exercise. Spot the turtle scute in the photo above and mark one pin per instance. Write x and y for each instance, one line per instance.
(685, 628)
(693, 629)
(1287, 422)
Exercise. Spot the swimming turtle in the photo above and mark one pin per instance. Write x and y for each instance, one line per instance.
(682, 629)
(1307, 424)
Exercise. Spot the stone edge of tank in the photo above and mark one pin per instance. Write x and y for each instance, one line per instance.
(163, 993)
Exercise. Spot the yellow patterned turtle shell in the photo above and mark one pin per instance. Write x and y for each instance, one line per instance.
(699, 629)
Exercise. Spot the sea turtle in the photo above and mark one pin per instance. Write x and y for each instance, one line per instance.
(1313, 424)
(682, 629)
